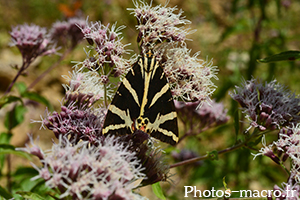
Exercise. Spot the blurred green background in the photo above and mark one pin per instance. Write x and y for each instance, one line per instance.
(234, 33)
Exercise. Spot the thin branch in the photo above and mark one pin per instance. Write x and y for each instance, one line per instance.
(24, 66)
(229, 149)
(40, 77)
(190, 161)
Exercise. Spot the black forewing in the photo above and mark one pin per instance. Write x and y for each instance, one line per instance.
(124, 100)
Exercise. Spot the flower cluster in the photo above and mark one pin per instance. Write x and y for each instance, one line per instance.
(268, 106)
(80, 124)
(78, 118)
(289, 190)
(287, 146)
(153, 161)
(32, 41)
(64, 32)
(83, 89)
(106, 170)
(158, 24)
(188, 76)
(109, 48)
(209, 115)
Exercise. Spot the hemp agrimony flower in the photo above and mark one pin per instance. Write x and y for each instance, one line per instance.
(105, 170)
(152, 158)
(32, 41)
(78, 117)
(197, 120)
(83, 89)
(208, 115)
(268, 106)
(290, 191)
(288, 146)
(65, 32)
(158, 24)
(109, 48)
(188, 76)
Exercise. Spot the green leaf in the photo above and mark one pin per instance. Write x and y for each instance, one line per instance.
(283, 56)
(158, 191)
(38, 98)
(30, 195)
(224, 183)
(4, 193)
(14, 117)
(21, 87)
(29, 171)
(17, 153)
(7, 146)
(9, 99)
(5, 137)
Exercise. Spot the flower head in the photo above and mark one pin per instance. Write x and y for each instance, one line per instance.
(64, 31)
(79, 123)
(32, 41)
(83, 89)
(108, 43)
(158, 24)
(269, 105)
(79, 118)
(188, 76)
(287, 146)
(208, 115)
(289, 191)
(152, 158)
(82, 171)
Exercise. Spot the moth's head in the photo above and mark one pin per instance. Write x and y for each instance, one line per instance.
(141, 124)
(148, 61)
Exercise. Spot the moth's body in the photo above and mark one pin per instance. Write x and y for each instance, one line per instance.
(144, 101)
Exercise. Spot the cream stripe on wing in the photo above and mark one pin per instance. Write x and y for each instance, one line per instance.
(160, 119)
(146, 89)
(168, 133)
(131, 90)
(159, 94)
(123, 115)
(154, 70)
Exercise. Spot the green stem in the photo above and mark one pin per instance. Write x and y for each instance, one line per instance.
(282, 165)
(105, 95)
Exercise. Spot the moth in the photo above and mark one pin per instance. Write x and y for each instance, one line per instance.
(143, 102)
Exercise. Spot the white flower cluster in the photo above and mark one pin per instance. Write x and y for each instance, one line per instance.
(82, 171)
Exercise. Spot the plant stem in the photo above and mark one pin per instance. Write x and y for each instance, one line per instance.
(105, 95)
(24, 66)
(8, 176)
(40, 77)
(282, 165)
(229, 149)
